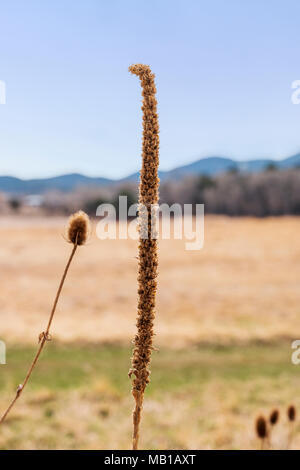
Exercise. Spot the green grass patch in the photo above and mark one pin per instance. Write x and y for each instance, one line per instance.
(64, 367)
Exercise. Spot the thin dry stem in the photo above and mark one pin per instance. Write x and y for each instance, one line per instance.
(291, 413)
(43, 337)
(148, 259)
(291, 433)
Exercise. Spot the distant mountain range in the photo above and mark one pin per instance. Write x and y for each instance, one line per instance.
(206, 166)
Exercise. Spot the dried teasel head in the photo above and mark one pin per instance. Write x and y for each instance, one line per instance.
(291, 412)
(78, 228)
(261, 427)
(274, 417)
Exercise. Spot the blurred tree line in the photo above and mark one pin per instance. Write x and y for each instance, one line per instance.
(269, 193)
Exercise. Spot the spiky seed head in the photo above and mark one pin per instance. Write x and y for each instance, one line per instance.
(78, 228)
(291, 412)
(261, 427)
(139, 69)
(274, 416)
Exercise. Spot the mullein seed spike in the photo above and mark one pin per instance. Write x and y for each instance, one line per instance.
(148, 258)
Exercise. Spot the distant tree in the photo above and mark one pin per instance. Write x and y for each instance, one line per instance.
(90, 205)
(202, 183)
(271, 167)
(131, 198)
(14, 204)
(233, 170)
(205, 182)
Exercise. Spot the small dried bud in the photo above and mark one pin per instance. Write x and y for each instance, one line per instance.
(291, 412)
(274, 416)
(261, 427)
(78, 228)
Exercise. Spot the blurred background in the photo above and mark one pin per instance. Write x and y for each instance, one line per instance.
(70, 139)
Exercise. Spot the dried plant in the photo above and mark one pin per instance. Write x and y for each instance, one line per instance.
(274, 417)
(148, 259)
(273, 420)
(291, 414)
(261, 430)
(77, 232)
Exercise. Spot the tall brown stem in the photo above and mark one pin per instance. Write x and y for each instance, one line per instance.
(148, 259)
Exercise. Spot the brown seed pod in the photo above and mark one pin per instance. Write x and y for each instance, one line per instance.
(78, 228)
(261, 427)
(274, 416)
(291, 412)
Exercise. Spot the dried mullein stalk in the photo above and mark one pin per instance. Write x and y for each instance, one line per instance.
(148, 259)
(77, 232)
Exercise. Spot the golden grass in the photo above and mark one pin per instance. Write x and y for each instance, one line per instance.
(243, 286)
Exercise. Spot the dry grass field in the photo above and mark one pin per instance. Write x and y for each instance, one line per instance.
(226, 317)
(243, 285)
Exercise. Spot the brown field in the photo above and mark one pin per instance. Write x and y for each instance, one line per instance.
(243, 285)
(225, 320)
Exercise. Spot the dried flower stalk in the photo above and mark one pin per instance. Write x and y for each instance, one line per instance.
(77, 232)
(273, 420)
(274, 417)
(148, 259)
(291, 414)
(261, 430)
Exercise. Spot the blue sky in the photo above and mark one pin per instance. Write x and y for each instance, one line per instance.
(224, 71)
